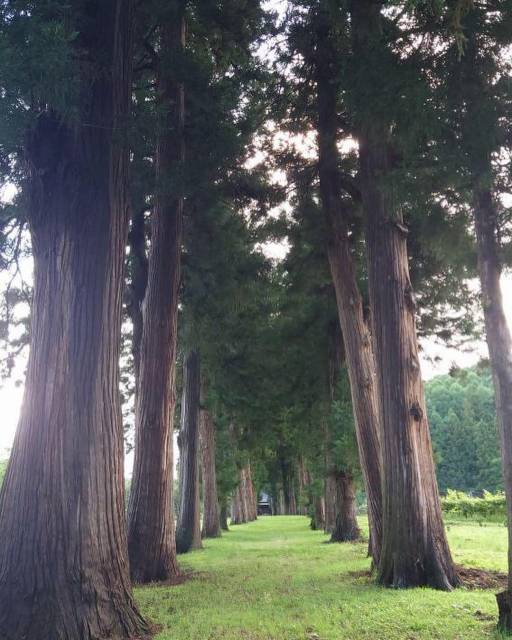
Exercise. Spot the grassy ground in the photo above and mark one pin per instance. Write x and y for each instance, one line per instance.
(276, 579)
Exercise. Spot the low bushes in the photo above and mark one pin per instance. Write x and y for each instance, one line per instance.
(489, 506)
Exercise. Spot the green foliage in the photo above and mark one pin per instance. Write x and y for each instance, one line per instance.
(38, 68)
(488, 507)
(345, 451)
(462, 418)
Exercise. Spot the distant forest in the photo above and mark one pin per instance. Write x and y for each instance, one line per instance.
(462, 417)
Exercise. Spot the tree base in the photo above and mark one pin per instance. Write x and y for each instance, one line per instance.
(353, 535)
(411, 576)
(205, 535)
(504, 600)
(40, 615)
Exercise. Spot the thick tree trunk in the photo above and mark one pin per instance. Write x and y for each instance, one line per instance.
(289, 501)
(356, 336)
(330, 502)
(211, 515)
(414, 547)
(499, 342)
(346, 528)
(224, 515)
(244, 495)
(243, 504)
(188, 530)
(151, 540)
(318, 519)
(63, 551)
(235, 508)
(252, 505)
(238, 513)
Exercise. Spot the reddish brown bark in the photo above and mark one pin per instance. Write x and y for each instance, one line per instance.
(211, 515)
(346, 528)
(151, 537)
(243, 503)
(63, 550)
(188, 529)
(414, 547)
(356, 336)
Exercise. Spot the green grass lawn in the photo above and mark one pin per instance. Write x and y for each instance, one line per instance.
(276, 579)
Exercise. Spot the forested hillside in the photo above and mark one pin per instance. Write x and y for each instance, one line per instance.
(462, 417)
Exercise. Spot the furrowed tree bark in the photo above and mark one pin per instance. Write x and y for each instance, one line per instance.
(414, 547)
(356, 335)
(243, 504)
(346, 528)
(211, 515)
(151, 537)
(188, 531)
(63, 550)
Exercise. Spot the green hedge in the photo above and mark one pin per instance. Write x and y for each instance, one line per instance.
(490, 506)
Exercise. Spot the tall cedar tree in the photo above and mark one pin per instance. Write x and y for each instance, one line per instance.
(474, 74)
(188, 527)
(62, 527)
(414, 547)
(211, 512)
(151, 537)
(356, 334)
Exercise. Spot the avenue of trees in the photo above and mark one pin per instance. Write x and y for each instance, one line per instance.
(158, 152)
